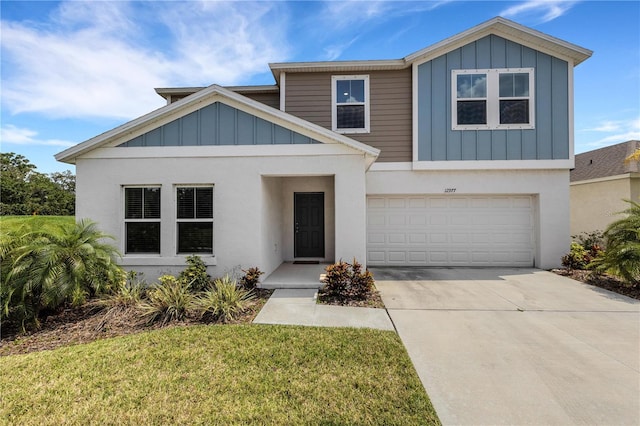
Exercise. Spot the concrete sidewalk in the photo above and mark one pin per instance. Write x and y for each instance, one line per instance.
(299, 307)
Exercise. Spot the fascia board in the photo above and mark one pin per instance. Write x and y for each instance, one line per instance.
(511, 31)
(336, 66)
(241, 102)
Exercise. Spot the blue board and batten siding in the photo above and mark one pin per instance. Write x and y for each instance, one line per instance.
(218, 124)
(548, 140)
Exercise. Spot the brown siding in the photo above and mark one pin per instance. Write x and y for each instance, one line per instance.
(308, 96)
(269, 99)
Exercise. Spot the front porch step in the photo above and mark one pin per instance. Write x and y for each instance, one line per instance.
(295, 276)
(273, 285)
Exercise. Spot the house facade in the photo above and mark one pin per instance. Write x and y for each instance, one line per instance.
(600, 182)
(456, 155)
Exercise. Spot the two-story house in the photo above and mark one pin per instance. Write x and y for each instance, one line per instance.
(455, 155)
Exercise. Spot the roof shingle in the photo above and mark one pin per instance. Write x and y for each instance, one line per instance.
(604, 162)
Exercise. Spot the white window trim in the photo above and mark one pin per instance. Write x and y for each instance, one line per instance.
(492, 99)
(178, 220)
(334, 104)
(125, 221)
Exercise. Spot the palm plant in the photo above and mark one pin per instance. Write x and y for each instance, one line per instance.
(622, 255)
(45, 269)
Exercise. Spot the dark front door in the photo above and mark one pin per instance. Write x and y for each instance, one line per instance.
(309, 224)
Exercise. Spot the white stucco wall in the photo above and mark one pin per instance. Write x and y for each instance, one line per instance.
(549, 187)
(272, 221)
(250, 228)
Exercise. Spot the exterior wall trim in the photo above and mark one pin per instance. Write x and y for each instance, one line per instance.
(606, 179)
(391, 166)
(283, 91)
(494, 165)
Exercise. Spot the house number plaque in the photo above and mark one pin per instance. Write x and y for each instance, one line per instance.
(449, 190)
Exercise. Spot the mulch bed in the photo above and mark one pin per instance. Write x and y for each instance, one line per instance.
(86, 324)
(605, 281)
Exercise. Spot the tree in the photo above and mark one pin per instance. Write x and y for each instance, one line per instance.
(24, 191)
(635, 156)
(15, 171)
(622, 255)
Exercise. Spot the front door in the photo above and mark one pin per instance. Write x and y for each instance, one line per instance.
(309, 224)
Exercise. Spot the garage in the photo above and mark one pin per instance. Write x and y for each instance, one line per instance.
(450, 230)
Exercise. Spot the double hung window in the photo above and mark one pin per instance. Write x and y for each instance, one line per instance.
(195, 219)
(492, 99)
(142, 219)
(350, 103)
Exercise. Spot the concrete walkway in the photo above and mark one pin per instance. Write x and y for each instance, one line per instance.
(517, 346)
(299, 307)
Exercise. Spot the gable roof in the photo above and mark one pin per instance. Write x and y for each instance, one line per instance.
(211, 94)
(604, 162)
(499, 26)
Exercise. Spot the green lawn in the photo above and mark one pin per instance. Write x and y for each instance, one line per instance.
(232, 374)
(36, 223)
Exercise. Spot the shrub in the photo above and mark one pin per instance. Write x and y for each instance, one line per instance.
(577, 258)
(347, 281)
(593, 243)
(171, 300)
(129, 293)
(44, 269)
(251, 278)
(622, 256)
(223, 300)
(195, 274)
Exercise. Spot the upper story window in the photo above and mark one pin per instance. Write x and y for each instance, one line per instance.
(492, 99)
(142, 219)
(350, 103)
(195, 219)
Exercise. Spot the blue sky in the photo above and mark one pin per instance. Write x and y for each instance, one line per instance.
(72, 70)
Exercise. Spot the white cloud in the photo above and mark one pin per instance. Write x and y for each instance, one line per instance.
(541, 10)
(349, 14)
(10, 134)
(92, 59)
(618, 131)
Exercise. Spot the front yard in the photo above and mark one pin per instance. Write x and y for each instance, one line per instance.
(214, 374)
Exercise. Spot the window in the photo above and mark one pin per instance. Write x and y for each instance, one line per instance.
(142, 220)
(350, 103)
(195, 219)
(492, 99)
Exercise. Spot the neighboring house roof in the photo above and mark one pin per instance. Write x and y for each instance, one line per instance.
(212, 94)
(499, 26)
(605, 162)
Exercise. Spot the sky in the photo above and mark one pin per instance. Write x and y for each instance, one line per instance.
(72, 70)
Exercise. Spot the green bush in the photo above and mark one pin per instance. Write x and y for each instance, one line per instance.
(251, 278)
(592, 241)
(170, 300)
(128, 293)
(45, 269)
(346, 280)
(195, 274)
(223, 300)
(622, 256)
(577, 258)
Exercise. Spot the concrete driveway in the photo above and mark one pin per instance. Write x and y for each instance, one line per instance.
(517, 346)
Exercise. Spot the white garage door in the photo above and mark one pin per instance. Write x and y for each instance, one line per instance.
(433, 230)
